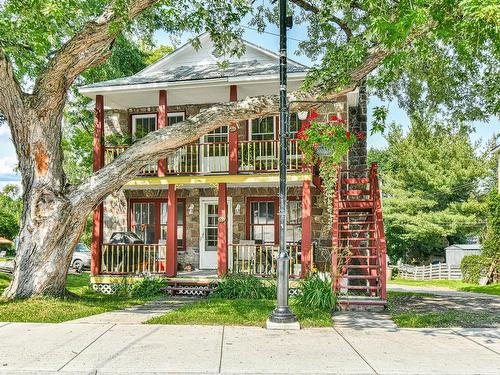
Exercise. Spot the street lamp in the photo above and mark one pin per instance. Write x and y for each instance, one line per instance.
(282, 317)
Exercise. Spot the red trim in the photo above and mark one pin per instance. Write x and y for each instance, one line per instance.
(306, 228)
(98, 163)
(172, 231)
(161, 121)
(233, 135)
(222, 231)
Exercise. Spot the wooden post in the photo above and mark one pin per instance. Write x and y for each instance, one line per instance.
(172, 231)
(233, 135)
(222, 231)
(162, 122)
(306, 228)
(98, 214)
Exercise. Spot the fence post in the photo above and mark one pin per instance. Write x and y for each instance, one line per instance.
(439, 271)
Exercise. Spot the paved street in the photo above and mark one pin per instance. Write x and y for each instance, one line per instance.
(108, 348)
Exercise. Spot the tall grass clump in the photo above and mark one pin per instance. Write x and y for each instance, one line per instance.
(316, 292)
(244, 286)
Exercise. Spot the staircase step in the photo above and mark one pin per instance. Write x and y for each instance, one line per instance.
(361, 204)
(356, 222)
(360, 287)
(357, 230)
(355, 192)
(355, 214)
(357, 266)
(358, 277)
(360, 256)
(360, 180)
(357, 238)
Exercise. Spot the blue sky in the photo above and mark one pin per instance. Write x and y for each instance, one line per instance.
(484, 131)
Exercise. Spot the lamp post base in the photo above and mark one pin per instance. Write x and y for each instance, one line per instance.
(289, 326)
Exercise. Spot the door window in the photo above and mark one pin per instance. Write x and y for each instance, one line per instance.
(144, 221)
(211, 227)
(262, 222)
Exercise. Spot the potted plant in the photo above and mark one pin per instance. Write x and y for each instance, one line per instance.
(326, 143)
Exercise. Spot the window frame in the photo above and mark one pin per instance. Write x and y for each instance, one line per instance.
(136, 115)
(275, 129)
(157, 202)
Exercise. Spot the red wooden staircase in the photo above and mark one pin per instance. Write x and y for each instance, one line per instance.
(358, 241)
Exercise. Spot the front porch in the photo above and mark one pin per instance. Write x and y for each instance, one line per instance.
(198, 228)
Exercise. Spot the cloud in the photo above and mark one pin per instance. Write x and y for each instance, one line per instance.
(5, 131)
(7, 165)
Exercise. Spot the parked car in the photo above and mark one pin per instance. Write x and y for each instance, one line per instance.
(81, 257)
(125, 238)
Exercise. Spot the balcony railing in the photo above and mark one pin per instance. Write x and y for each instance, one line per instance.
(206, 158)
(260, 260)
(133, 259)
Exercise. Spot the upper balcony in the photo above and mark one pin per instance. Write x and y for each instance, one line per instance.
(254, 156)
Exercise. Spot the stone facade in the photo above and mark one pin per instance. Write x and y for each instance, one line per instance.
(117, 205)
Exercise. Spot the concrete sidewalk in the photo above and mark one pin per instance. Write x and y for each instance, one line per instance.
(71, 348)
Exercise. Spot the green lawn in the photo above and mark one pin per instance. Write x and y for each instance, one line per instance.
(248, 312)
(452, 284)
(55, 310)
(442, 319)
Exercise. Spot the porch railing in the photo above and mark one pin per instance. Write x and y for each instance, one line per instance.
(133, 259)
(260, 260)
(204, 158)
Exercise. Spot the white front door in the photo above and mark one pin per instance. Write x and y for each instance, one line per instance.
(209, 230)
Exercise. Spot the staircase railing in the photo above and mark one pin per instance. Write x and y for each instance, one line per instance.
(381, 246)
(336, 231)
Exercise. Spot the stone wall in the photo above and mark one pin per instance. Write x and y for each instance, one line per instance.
(358, 124)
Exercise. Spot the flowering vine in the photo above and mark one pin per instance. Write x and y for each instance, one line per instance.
(326, 143)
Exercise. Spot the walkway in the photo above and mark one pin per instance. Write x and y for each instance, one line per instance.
(138, 314)
(71, 348)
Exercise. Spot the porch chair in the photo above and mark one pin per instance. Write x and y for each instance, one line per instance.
(246, 256)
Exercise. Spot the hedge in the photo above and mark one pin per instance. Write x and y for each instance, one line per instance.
(473, 267)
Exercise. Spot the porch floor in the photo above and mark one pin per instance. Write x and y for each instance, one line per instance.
(202, 274)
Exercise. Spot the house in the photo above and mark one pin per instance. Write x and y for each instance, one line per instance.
(213, 206)
(455, 253)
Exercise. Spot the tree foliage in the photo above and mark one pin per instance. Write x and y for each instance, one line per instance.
(10, 211)
(430, 181)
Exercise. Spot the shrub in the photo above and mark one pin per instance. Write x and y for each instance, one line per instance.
(244, 286)
(473, 267)
(145, 288)
(395, 273)
(491, 243)
(316, 292)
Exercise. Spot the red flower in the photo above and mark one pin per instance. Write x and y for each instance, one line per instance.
(360, 136)
(334, 118)
(315, 146)
(313, 115)
(348, 134)
(331, 133)
(342, 121)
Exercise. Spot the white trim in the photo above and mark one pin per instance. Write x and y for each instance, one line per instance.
(203, 200)
(298, 76)
(275, 128)
(139, 116)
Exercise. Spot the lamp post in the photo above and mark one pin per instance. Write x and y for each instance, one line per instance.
(282, 317)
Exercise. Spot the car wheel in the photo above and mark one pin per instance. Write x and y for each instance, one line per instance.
(78, 265)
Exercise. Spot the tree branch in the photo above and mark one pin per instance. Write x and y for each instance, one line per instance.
(11, 95)
(314, 9)
(90, 46)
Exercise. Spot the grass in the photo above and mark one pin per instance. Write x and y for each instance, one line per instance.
(246, 312)
(441, 319)
(55, 310)
(493, 289)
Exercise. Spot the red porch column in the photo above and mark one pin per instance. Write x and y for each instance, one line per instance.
(162, 122)
(233, 135)
(222, 231)
(306, 228)
(98, 214)
(172, 231)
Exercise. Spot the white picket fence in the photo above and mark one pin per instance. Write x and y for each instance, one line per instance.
(430, 272)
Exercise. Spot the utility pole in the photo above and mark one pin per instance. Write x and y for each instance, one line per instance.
(282, 317)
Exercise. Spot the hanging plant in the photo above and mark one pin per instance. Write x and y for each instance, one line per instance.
(326, 143)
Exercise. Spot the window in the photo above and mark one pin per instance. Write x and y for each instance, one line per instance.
(295, 125)
(175, 117)
(144, 221)
(217, 135)
(211, 227)
(181, 214)
(294, 222)
(149, 221)
(262, 223)
(262, 129)
(142, 125)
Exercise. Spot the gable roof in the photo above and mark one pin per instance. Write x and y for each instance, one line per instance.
(474, 246)
(188, 64)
